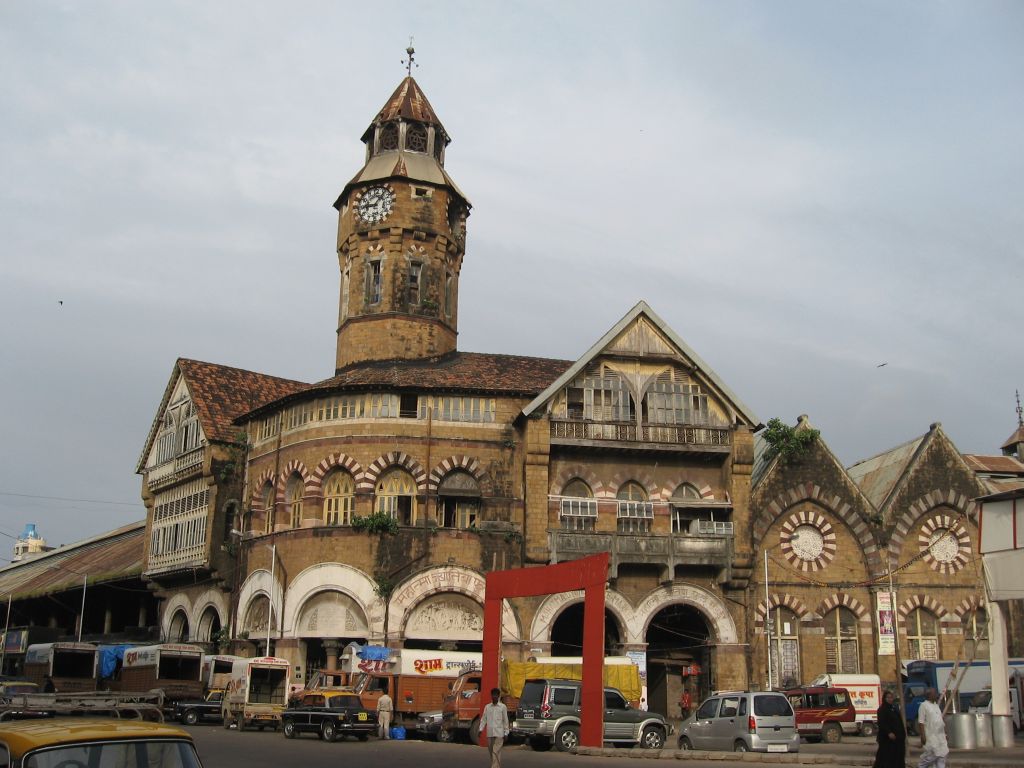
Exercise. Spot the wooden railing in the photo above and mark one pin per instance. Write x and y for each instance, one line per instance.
(646, 433)
(174, 469)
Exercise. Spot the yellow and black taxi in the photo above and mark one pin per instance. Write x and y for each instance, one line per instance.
(83, 742)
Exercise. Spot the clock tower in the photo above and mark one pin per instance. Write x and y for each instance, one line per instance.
(401, 238)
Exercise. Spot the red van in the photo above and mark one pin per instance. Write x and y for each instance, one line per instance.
(822, 713)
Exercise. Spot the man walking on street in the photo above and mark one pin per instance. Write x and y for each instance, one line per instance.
(384, 710)
(933, 732)
(494, 723)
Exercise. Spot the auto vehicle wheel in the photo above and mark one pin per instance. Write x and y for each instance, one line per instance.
(652, 737)
(539, 744)
(474, 731)
(260, 728)
(445, 736)
(740, 746)
(868, 729)
(567, 737)
(328, 732)
(685, 743)
(831, 733)
(190, 717)
(289, 729)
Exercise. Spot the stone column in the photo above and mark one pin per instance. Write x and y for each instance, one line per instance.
(107, 619)
(331, 647)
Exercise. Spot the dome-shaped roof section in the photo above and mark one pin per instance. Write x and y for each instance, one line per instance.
(408, 102)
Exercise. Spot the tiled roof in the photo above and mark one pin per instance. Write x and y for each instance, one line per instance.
(222, 394)
(409, 103)
(1003, 465)
(465, 372)
(1016, 437)
(110, 556)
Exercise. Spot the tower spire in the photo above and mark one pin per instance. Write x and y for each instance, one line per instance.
(1020, 412)
(410, 61)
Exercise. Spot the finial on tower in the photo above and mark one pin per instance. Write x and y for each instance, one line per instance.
(409, 60)
(1020, 412)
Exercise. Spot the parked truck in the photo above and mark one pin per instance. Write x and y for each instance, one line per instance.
(460, 717)
(865, 693)
(70, 666)
(217, 671)
(946, 676)
(417, 681)
(174, 668)
(982, 701)
(257, 693)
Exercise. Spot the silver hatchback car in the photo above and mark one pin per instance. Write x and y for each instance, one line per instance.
(742, 721)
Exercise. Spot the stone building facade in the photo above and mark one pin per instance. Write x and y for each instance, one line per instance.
(369, 506)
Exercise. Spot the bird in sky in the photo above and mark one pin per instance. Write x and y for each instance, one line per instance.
(881, 365)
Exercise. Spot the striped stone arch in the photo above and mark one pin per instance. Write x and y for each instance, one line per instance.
(847, 601)
(924, 601)
(967, 605)
(795, 604)
(261, 483)
(951, 549)
(835, 505)
(369, 478)
(332, 462)
(584, 473)
(641, 478)
(465, 463)
(915, 511)
(706, 492)
(294, 467)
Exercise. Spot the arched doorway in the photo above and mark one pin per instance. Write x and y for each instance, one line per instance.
(326, 623)
(177, 631)
(679, 655)
(567, 633)
(209, 625)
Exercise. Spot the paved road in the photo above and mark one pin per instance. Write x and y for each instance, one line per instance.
(219, 748)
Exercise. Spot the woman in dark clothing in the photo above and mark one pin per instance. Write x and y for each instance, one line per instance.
(892, 736)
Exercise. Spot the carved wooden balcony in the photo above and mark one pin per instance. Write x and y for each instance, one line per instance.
(701, 438)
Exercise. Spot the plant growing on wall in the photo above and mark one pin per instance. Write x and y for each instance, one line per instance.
(789, 443)
(377, 522)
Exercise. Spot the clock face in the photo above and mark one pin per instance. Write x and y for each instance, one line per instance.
(807, 542)
(375, 204)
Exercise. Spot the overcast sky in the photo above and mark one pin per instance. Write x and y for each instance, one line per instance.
(802, 190)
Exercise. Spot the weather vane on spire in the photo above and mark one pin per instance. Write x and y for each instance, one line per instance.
(410, 61)
(1020, 412)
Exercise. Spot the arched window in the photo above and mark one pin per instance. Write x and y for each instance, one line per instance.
(396, 496)
(784, 627)
(635, 513)
(295, 492)
(975, 627)
(922, 635)
(339, 499)
(178, 630)
(458, 500)
(416, 137)
(842, 655)
(578, 508)
(683, 512)
(389, 136)
(268, 507)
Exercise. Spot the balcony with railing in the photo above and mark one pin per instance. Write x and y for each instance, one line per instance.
(175, 469)
(178, 542)
(704, 438)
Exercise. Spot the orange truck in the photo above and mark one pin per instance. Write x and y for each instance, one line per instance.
(417, 681)
(460, 717)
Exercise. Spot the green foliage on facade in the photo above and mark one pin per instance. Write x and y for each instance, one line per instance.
(378, 522)
(789, 443)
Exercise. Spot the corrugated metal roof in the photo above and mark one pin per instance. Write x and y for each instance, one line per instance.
(398, 163)
(1003, 465)
(1015, 438)
(408, 102)
(877, 476)
(111, 556)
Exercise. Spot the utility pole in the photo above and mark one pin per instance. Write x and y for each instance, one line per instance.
(81, 619)
(899, 657)
(768, 619)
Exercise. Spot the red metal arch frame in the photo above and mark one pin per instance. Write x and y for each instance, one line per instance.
(589, 574)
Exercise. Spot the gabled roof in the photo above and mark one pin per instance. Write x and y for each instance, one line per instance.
(110, 556)
(878, 476)
(1000, 465)
(221, 394)
(464, 372)
(681, 347)
(1016, 437)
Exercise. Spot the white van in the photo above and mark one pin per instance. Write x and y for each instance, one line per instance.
(866, 693)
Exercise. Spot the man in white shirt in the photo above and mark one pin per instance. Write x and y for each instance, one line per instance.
(932, 728)
(494, 722)
(384, 709)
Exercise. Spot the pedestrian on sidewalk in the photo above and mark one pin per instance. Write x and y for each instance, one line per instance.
(494, 722)
(932, 728)
(384, 709)
(892, 736)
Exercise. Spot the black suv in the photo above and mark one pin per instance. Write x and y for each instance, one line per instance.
(549, 714)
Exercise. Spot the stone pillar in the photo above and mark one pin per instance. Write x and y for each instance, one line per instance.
(107, 619)
(142, 613)
(997, 654)
(331, 647)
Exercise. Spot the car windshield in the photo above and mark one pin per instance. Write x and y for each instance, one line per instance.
(122, 754)
(772, 706)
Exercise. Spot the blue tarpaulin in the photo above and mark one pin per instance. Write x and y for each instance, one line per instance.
(374, 653)
(111, 657)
